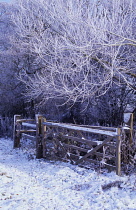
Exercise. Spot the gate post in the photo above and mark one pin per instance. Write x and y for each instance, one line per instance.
(16, 131)
(44, 136)
(39, 147)
(118, 152)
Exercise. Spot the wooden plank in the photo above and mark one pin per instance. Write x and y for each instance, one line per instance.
(75, 147)
(29, 136)
(92, 160)
(93, 126)
(111, 146)
(29, 125)
(43, 136)
(131, 128)
(110, 157)
(118, 153)
(88, 142)
(82, 140)
(94, 150)
(73, 156)
(77, 157)
(111, 167)
(16, 134)
(99, 154)
(39, 147)
(78, 128)
(100, 127)
(25, 131)
(25, 120)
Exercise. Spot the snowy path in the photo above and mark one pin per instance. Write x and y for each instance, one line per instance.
(29, 184)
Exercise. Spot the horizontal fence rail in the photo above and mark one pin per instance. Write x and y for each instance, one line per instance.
(92, 129)
(29, 125)
(80, 144)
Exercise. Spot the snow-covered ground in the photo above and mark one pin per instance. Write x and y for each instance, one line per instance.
(30, 184)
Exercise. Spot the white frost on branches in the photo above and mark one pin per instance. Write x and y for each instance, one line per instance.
(82, 46)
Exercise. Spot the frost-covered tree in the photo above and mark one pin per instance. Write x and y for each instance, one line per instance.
(79, 48)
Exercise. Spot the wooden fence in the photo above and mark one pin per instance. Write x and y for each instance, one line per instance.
(80, 145)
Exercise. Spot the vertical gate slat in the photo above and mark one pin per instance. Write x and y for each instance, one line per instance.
(16, 134)
(44, 136)
(39, 147)
(118, 153)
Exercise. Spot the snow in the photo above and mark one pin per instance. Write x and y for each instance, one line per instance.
(126, 127)
(30, 184)
(84, 129)
(98, 142)
(29, 125)
(127, 117)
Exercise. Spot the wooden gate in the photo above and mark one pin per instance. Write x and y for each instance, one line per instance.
(83, 145)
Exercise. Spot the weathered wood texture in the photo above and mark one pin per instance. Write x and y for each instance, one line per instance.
(39, 146)
(16, 131)
(118, 153)
(25, 131)
(29, 125)
(79, 128)
(23, 126)
(75, 143)
(43, 133)
(29, 136)
(79, 144)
